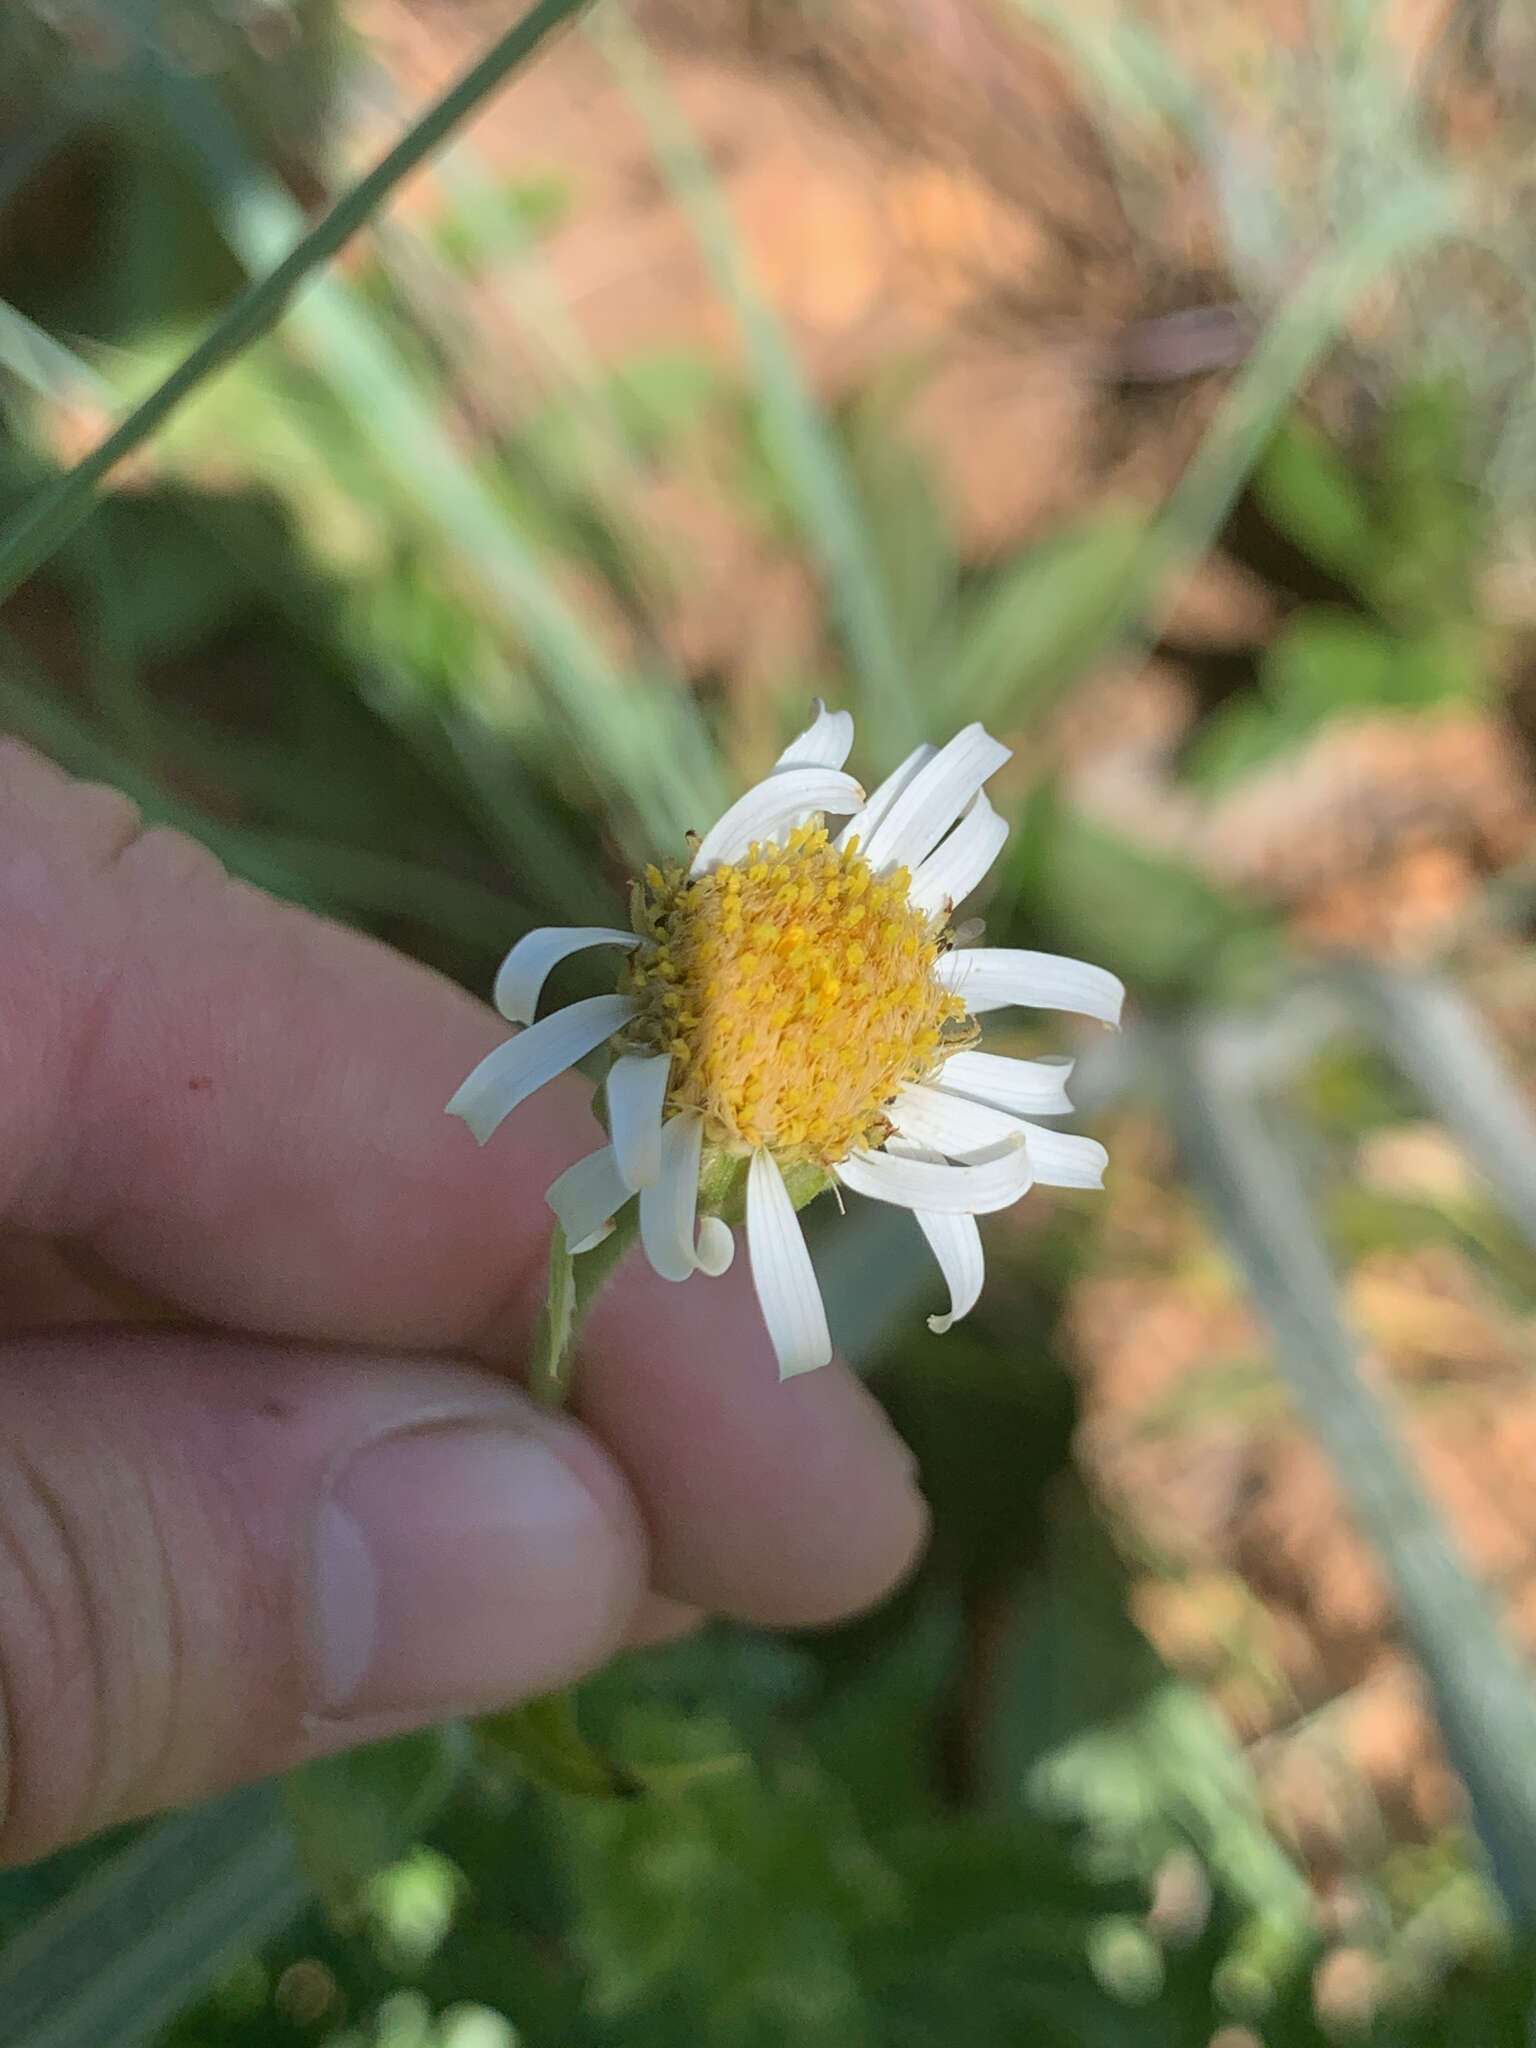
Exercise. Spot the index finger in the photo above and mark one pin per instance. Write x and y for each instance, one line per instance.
(240, 1108)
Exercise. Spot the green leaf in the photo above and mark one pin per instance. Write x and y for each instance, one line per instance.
(153, 1927)
(1310, 493)
(1325, 661)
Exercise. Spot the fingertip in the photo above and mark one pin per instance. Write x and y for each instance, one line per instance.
(785, 1504)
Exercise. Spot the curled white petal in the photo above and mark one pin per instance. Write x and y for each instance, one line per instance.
(941, 1190)
(994, 977)
(782, 1273)
(951, 1124)
(957, 863)
(522, 975)
(668, 1205)
(587, 1197)
(863, 822)
(716, 1247)
(934, 799)
(825, 743)
(773, 807)
(956, 1243)
(1027, 1087)
(525, 1063)
(1062, 1160)
(637, 1095)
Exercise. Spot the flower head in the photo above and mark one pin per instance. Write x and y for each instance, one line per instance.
(794, 1012)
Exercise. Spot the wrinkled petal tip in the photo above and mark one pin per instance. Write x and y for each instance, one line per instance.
(716, 1246)
(481, 1124)
(791, 1368)
(825, 743)
(942, 1325)
(1062, 1159)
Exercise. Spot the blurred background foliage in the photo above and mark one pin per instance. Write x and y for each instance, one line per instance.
(1155, 384)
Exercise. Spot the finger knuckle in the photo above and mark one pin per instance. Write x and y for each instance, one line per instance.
(85, 1683)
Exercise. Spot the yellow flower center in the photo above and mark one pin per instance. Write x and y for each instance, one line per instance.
(795, 992)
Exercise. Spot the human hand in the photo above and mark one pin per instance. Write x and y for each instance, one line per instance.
(263, 1491)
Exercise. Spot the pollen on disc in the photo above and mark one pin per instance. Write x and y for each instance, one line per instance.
(795, 991)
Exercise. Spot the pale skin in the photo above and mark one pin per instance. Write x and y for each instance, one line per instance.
(268, 1487)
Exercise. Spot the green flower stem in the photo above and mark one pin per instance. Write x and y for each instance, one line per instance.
(28, 541)
(544, 1735)
(574, 1285)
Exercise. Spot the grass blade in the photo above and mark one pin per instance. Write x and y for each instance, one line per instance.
(1481, 1688)
(809, 457)
(1440, 1044)
(645, 740)
(133, 1944)
(45, 366)
(32, 536)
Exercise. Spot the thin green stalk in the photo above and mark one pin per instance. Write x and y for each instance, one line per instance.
(34, 534)
(1438, 1040)
(644, 736)
(1481, 1688)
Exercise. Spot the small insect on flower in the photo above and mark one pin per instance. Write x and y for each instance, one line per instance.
(793, 1012)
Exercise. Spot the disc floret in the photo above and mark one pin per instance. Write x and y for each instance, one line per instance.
(794, 990)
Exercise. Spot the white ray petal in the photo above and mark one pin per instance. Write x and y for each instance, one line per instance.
(825, 743)
(958, 863)
(942, 1190)
(522, 975)
(951, 1124)
(1062, 1160)
(934, 799)
(716, 1247)
(668, 1205)
(775, 806)
(587, 1197)
(864, 822)
(955, 1242)
(1028, 1087)
(637, 1095)
(995, 977)
(782, 1273)
(523, 1064)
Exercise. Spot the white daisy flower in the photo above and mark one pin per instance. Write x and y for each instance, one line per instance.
(793, 1012)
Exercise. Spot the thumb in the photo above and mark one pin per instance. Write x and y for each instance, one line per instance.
(219, 1558)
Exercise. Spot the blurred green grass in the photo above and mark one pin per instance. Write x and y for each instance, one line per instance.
(398, 650)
